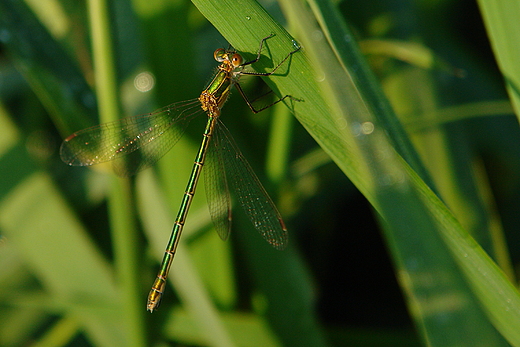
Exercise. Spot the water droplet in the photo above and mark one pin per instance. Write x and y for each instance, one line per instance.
(317, 35)
(295, 44)
(367, 128)
(144, 82)
(248, 17)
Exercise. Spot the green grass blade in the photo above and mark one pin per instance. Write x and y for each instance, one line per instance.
(501, 19)
(123, 224)
(413, 239)
(38, 223)
(352, 133)
(58, 286)
(54, 247)
(291, 316)
(54, 76)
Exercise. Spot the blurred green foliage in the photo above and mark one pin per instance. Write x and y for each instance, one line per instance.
(68, 279)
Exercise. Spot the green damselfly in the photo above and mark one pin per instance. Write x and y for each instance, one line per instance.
(134, 143)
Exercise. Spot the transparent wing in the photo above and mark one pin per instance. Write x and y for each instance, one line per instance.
(217, 192)
(132, 143)
(251, 194)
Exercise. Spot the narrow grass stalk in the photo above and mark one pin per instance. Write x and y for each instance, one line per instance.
(279, 143)
(124, 233)
(375, 154)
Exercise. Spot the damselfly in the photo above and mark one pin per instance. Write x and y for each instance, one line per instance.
(135, 143)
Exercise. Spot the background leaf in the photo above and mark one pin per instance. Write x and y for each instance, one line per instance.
(418, 120)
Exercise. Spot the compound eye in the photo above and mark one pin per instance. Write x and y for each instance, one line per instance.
(236, 59)
(219, 55)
